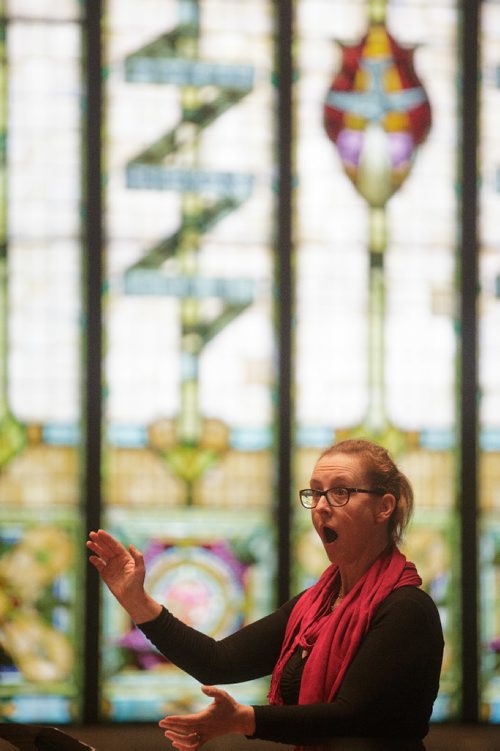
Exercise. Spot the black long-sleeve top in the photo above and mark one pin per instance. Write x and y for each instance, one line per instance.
(388, 690)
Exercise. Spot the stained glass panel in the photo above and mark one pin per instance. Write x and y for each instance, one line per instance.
(189, 361)
(375, 236)
(489, 354)
(40, 312)
(214, 571)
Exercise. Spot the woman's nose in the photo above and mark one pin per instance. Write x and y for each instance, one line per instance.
(323, 503)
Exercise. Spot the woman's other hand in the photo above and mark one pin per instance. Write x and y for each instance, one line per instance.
(224, 715)
(123, 572)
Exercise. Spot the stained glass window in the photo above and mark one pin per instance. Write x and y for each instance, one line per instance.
(40, 311)
(188, 318)
(376, 139)
(190, 452)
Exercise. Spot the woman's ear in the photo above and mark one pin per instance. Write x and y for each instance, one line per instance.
(386, 506)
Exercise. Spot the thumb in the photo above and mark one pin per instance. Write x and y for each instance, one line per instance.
(217, 694)
(212, 691)
(136, 555)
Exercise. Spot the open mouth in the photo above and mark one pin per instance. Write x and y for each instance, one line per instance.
(329, 535)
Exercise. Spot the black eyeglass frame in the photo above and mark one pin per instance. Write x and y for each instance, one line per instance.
(350, 491)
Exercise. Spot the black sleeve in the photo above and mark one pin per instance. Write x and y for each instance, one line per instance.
(388, 689)
(249, 653)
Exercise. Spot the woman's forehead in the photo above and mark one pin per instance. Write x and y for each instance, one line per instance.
(348, 465)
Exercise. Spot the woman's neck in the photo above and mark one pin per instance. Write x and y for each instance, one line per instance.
(351, 572)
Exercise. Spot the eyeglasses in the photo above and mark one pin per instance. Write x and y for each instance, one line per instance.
(310, 498)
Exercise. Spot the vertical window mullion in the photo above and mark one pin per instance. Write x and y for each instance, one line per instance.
(284, 288)
(92, 285)
(468, 407)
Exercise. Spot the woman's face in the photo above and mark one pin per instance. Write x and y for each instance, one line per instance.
(355, 531)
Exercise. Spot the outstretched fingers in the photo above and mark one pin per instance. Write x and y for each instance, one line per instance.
(104, 545)
(182, 724)
(184, 742)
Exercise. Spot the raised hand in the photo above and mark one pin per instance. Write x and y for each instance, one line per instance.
(123, 572)
(224, 715)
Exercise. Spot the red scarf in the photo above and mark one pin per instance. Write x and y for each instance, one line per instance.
(336, 636)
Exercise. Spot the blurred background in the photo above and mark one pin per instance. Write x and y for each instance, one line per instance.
(233, 232)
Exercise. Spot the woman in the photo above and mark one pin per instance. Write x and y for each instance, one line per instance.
(356, 655)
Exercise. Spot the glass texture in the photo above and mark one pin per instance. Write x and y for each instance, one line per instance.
(489, 357)
(375, 238)
(40, 312)
(189, 363)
